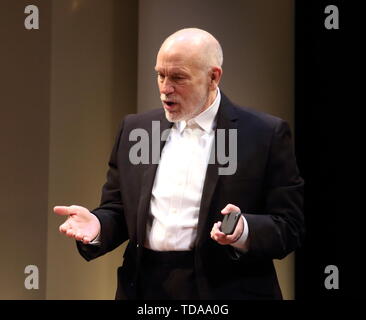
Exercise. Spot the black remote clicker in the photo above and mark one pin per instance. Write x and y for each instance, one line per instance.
(229, 222)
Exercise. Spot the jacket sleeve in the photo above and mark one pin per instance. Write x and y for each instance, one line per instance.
(280, 230)
(110, 211)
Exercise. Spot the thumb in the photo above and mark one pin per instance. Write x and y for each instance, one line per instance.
(61, 210)
(229, 208)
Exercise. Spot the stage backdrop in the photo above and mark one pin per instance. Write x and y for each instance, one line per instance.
(65, 88)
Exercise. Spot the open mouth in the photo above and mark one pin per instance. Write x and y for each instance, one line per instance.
(169, 104)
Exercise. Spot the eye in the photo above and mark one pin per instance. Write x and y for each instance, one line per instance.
(160, 76)
(177, 78)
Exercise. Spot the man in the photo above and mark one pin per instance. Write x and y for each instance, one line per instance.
(171, 210)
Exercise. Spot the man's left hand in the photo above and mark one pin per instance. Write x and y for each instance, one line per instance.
(222, 238)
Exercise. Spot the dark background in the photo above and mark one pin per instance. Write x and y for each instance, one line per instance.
(328, 119)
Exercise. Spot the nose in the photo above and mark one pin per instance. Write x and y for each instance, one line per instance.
(166, 87)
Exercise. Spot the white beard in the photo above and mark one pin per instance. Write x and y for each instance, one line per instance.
(180, 116)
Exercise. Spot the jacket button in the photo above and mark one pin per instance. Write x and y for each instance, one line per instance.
(137, 245)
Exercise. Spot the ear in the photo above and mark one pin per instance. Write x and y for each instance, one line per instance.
(215, 74)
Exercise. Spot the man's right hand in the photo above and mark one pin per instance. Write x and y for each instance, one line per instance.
(81, 224)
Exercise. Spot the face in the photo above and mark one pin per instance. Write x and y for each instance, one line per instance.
(184, 85)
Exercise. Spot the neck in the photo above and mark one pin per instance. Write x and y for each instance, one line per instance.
(210, 99)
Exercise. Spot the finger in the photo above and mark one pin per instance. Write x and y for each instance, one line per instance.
(61, 210)
(216, 225)
(230, 238)
(86, 240)
(216, 229)
(237, 232)
(229, 208)
(79, 236)
(220, 240)
(70, 233)
(218, 236)
(64, 227)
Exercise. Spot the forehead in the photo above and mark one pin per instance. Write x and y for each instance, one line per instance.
(177, 60)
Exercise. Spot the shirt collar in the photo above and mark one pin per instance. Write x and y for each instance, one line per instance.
(206, 119)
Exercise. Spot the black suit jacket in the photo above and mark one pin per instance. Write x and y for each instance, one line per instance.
(266, 186)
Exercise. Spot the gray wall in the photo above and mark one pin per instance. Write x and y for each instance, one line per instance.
(257, 39)
(258, 43)
(94, 47)
(64, 92)
(24, 143)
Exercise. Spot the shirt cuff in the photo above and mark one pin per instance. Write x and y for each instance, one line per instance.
(96, 240)
(242, 244)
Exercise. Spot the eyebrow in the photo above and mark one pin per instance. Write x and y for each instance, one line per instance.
(173, 72)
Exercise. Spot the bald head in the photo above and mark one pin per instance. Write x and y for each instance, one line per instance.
(201, 46)
(188, 68)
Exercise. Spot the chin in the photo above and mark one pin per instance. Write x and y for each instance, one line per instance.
(173, 116)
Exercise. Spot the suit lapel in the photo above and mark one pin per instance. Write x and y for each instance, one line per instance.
(226, 119)
(148, 176)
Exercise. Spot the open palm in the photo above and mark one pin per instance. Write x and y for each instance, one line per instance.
(81, 224)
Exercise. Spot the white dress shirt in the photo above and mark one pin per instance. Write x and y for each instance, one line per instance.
(177, 190)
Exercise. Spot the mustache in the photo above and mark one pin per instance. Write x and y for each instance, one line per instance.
(164, 97)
